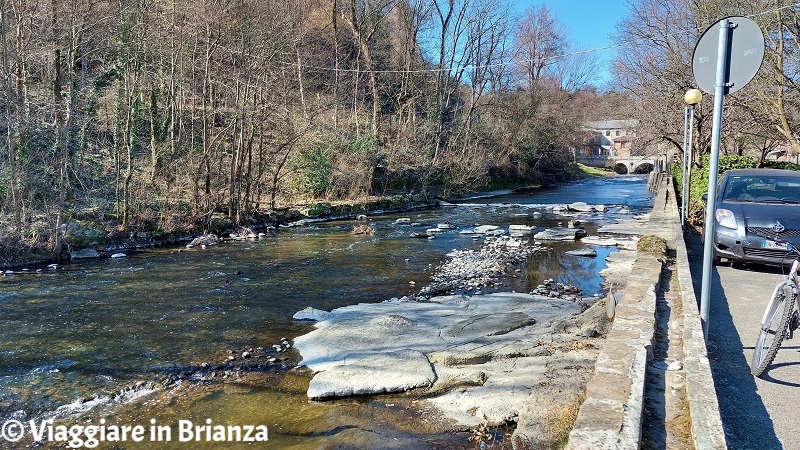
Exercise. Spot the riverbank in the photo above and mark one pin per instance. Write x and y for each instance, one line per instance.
(89, 235)
(95, 233)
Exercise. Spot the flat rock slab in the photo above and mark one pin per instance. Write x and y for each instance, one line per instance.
(483, 229)
(580, 207)
(488, 325)
(626, 242)
(560, 234)
(356, 332)
(585, 252)
(630, 227)
(380, 373)
(499, 398)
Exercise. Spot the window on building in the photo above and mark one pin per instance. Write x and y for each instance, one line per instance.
(617, 132)
(608, 133)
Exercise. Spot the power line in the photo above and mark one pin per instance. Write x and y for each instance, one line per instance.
(521, 62)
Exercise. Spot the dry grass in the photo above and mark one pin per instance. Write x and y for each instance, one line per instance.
(681, 427)
(561, 420)
(583, 345)
(484, 437)
(652, 244)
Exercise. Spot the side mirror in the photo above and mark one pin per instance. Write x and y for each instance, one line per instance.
(704, 197)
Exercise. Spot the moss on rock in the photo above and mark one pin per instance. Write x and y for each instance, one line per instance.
(86, 234)
(652, 244)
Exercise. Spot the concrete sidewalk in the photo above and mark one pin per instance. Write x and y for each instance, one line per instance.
(756, 413)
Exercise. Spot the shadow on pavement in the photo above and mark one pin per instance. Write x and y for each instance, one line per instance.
(773, 373)
(746, 422)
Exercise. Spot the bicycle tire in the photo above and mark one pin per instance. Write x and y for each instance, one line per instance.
(779, 310)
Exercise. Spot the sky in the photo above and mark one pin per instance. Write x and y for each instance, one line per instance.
(589, 23)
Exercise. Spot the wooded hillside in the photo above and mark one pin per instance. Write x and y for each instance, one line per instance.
(156, 114)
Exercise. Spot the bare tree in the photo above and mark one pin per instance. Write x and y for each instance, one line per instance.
(540, 43)
(655, 66)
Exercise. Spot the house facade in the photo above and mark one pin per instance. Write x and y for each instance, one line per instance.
(609, 138)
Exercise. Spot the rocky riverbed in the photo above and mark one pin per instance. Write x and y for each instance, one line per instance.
(473, 359)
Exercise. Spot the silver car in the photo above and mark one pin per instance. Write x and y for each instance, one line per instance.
(752, 205)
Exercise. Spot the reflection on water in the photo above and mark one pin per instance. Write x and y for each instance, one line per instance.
(93, 329)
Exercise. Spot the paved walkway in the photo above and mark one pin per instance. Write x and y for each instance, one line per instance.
(756, 414)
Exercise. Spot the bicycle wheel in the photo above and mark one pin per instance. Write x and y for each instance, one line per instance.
(774, 328)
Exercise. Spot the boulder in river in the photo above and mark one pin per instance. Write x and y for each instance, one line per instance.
(363, 229)
(585, 252)
(206, 239)
(243, 233)
(560, 234)
(84, 253)
(483, 229)
(311, 314)
(519, 230)
(580, 207)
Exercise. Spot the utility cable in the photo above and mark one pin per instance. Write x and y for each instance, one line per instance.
(521, 62)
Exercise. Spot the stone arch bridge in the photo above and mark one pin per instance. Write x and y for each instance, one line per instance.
(632, 164)
(622, 164)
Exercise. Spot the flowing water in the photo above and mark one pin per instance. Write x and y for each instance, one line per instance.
(129, 340)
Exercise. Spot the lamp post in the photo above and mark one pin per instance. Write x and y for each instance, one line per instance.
(691, 98)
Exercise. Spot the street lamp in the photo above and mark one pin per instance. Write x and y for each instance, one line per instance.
(691, 98)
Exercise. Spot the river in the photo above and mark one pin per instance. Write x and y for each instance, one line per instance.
(134, 340)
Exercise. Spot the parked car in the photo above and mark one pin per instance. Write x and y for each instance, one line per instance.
(752, 204)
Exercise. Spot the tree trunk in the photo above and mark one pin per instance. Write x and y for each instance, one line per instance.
(58, 125)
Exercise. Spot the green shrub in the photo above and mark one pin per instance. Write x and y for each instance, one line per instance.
(315, 169)
(786, 165)
(360, 143)
(699, 182)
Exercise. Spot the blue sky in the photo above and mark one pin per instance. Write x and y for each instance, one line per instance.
(589, 23)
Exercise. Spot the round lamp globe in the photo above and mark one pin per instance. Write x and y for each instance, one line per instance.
(693, 96)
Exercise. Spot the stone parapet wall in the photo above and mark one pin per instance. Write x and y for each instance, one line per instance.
(611, 415)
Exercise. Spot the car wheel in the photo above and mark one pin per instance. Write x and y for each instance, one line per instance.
(716, 260)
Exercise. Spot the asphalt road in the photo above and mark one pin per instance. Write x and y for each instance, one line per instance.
(756, 413)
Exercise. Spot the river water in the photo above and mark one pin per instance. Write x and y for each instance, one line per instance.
(137, 340)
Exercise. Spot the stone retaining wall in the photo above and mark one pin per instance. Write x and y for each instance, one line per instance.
(611, 415)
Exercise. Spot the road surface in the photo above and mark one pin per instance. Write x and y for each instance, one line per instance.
(756, 413)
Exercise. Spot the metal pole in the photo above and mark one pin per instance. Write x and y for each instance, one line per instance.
(685, 156)
(719, 100)
(689, 164)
